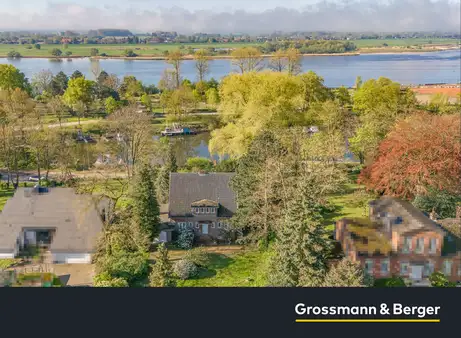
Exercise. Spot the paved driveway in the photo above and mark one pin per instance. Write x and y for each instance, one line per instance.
(75, 274)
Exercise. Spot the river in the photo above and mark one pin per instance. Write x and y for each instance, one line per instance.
(411, 68)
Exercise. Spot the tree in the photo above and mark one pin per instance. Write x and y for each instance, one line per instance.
(38, 46)
(278, 61)
(102, 78)
(147, 101)
(134, 129)
(56, 52)
(145, 206)
(212, 97)
(76, 74)
(79, 94)
(168, 80)
(131, 88)
(441, 201)
(57, 108)
(111, 105)
(302, 245)
(293, 61)
(42, 82)
(163, 177)
(247, 59)
(175, 59)
(162, 270)
(11, 78)
(179, 102)
(129, 53)
(421, 152)
(196, 164)
(202, 64)
(94, 52)
(347, 274)
(59, 83)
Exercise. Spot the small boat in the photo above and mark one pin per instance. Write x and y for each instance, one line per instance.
(177, 130)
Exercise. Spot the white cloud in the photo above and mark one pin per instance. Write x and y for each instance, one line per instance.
(353, 15)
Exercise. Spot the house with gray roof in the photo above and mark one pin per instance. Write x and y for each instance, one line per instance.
(64, 224)
(203, 202)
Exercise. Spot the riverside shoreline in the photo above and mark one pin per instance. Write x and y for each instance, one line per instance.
(377, 51)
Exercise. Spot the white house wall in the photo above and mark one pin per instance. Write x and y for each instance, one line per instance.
(7, 255)
(72, 258)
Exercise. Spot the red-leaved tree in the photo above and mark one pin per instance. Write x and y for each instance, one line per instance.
(421, 151)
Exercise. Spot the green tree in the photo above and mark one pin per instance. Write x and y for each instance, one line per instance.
(76, 74)
(11, 78)
(146, 100)
(163, 177)
(78, 94)
(212, 97)
(347, 274)
(38, 46)
(94, 52)
(302, 245)
(56, 52)
(162, 270)
(145, 206)
(59, 83)
(111, 105)
(196, 164)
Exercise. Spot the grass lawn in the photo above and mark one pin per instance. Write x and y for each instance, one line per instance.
(345, 204)
(369, 43)
(229, 266)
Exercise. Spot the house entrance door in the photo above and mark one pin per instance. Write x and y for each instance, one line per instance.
(416, 272)
(205, 229)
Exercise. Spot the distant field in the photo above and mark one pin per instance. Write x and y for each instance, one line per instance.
(158, 49)
(113, 50)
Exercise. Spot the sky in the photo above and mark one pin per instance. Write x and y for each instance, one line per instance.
(232, 16)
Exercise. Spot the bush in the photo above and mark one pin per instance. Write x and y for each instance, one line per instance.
(443, 202)
(439, 280)
(131, 266)
(198, 256)
(13, 54)
(105, 280)
(389, 282)
(185, 269)
(196, 164)
(129, 53)
(56, 52)
(186, 239)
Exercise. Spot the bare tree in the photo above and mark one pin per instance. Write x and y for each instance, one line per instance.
(41, 82)
(278, 61)
(247, 59)
(175, 59)
(57, 108)
(134, 135)
(202, 63)
(293, 61)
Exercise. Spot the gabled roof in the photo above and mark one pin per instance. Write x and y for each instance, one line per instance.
(188, 188)
(414, 220)
(76, 218)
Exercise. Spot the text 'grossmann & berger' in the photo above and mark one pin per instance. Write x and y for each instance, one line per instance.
(384, 310)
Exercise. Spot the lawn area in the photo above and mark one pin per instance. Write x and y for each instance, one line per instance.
(368, 43)
(5, 194)
(229, 266)
(345, 204)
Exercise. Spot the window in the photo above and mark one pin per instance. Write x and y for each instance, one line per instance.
(212, 210)
(419, 245)
(202, 210)
(459, 269)
(428, 269)
(369, 266)
(404, 268)
(447, 267)
(196, 225)
(207, 210)
(433, 246)
(219, 225)
(385, 267)
(213, 225)
(406, 245)
(224, 225)
(190, 224)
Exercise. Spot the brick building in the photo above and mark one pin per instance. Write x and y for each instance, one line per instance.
(400, 240)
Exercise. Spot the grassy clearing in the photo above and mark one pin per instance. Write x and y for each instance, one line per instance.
(229, 266)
